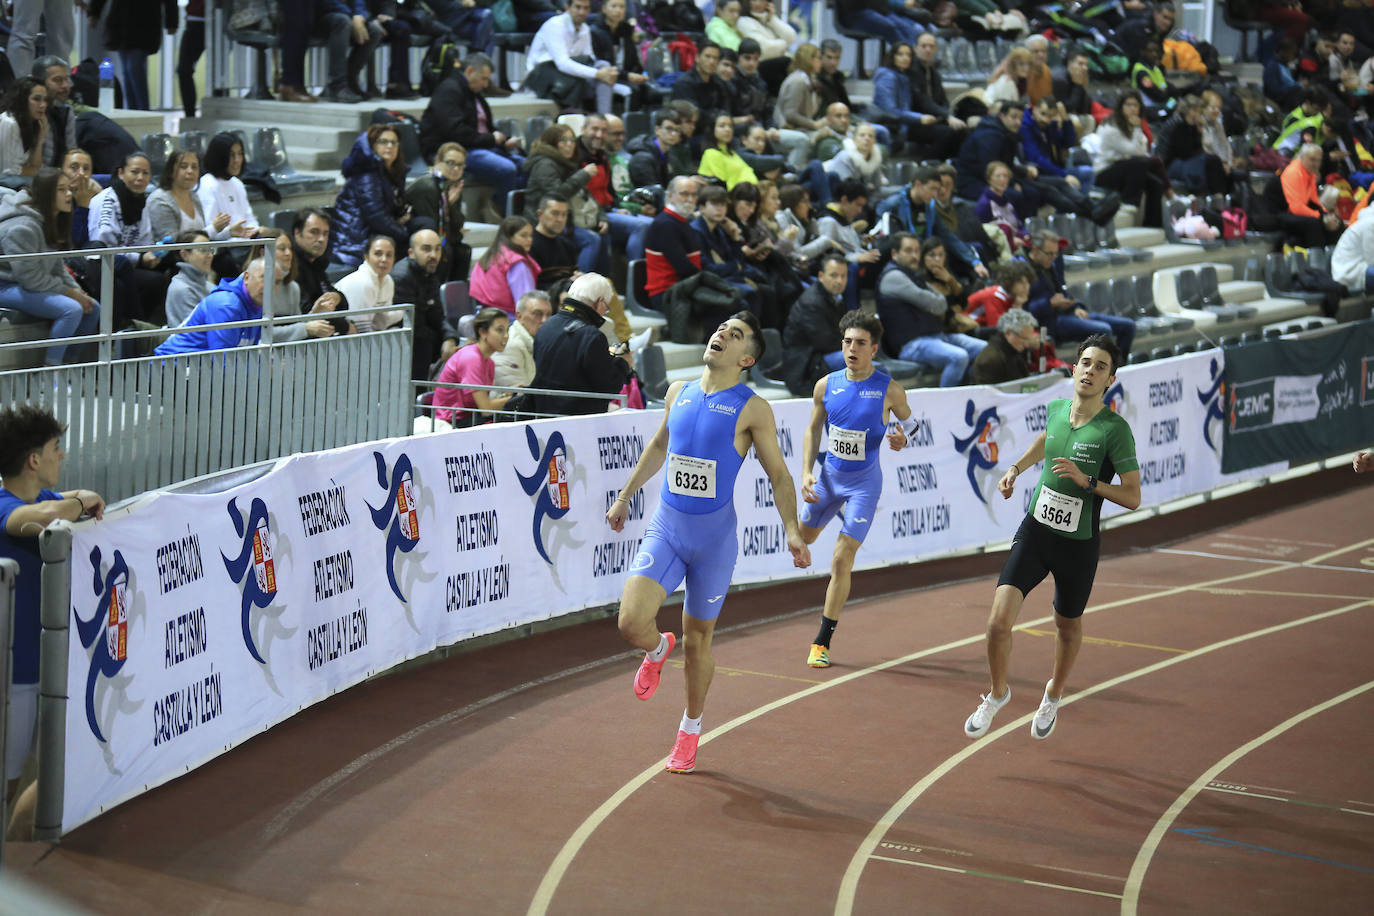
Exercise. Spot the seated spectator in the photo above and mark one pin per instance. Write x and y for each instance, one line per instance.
(1009, 81)
(914, 317)
(761, 23)
(1178, 143)
(1280, 84)
(841, 224)
(310, 233)
(572, 354)
(1039, 81)
(613, 40)
(373, 200)
(1005, 359)
(1123, 162)
(331, 21)
(799, 104)
(878, 19)
(1151, 24)
(416, 279)
(752, 98)
(371, 286)
(627, 229)
(723, 28)
(552, 246)
(798, 229)
(23, 126)
(505, 271)
(683, 158)
(997, 206)
(469, 21)
(928, 95)
(32, 221)
(119, 218)
(649, 154)
(1047, 136)
(235, 299)
(1308, 220)
(472, 365)
(959, 226)
(1011, 291)
(76, 165)
(672, 250)
(836, 127)
(756, 154)
(553, 170)
(1303, 124)
(1058, 314)
(458, 113)
(936, 276)
(286, 292)
(175, 208)
(811, 338)
(221, 192)
(561, 67)
(515, 364)
(436, 199)
(56, 75)
(829, 81)
(917, 210)
(860, 160)
(194, 280)
(700, 85)
(894, 98)
(1072, 91)
(1216, 142)
(721, 255)
(758, 243)
(1352, 263)
(1147, 78)
(720, 159)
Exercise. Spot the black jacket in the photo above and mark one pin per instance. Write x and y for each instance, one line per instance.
(605, 44)
(999, 362)
(751, 97)
(451, 115)
(812, 331)
(708, 95)
(647, 165)
(831, 89)
(988, 141)
(571, 354)
(927, 90)
(421, 289)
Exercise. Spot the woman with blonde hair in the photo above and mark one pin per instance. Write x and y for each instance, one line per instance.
(1010, 80)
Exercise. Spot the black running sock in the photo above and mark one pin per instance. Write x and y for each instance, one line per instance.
(827, 630)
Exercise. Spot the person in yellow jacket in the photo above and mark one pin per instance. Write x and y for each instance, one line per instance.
(720, 160)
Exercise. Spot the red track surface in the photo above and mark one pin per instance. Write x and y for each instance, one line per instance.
(1194, 765)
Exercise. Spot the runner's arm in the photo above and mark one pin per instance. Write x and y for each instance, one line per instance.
(896, 402)
(1126, 493)
(1029, 458)
(811, 439)
(764, 433)
(647, 466)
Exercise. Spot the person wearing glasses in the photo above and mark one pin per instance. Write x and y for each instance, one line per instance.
(436, 202)
(1060, 315)
(649, 154)
(373, 200)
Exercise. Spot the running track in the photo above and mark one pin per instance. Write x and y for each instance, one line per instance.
(1213, 755)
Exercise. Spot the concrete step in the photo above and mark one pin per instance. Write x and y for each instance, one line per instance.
(1271, 309)
(355, 117)
(1235, 292)
(1133, 236)
(681, 355)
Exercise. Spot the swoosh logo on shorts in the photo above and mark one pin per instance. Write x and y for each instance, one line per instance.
(714, 600)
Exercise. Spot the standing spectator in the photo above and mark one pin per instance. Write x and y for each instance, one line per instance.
(416, 280)
(119, 218)
(193, 280)
(515, 364)
(31, 458)
(457, 113)
(649, 154)
(472, 365)
(56, 74)
(32, 221)
(672, 249)
(436, 199)
(571, 352)
(553, 248)
(1312, 223)
(1060, 315)
(561, 66)
(505, 271)
(613, 40)
(302, 21)
(221, 191)
(1123, 162)
(811, 338)
(175, 208)
(371, 286)
(134, 29)
(188, 53)
(59, 30)
(373, 200)
(468, 21)
(310, 235)
(552, 169)
(1004, 359)
(23, 126)
(914, 316)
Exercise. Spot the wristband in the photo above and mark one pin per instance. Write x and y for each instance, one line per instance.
(908, 425)
(620, 499)
(80, 503)
(1016, 469)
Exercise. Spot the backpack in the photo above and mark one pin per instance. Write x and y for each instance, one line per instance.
(442, 57)
(682, 15)
(1105, 61)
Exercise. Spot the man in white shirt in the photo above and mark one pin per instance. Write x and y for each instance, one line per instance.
(561, 65)
(515, 364)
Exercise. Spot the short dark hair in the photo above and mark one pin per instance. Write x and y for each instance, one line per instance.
(831, 44)
(1104, 343)
(553, 197)
(24, 430)
(925, 174)
(860, 320)
(42, 65)
(664, 115)
(755, 332)
(1317, 96)
(899, 237)
(478, 61)
(749, 46)
(727, 54)
(1012, 271)
(303, 216)
(830, 257)
(190, 236)
(169, 168)
(707, 45)
(851, 189)
(376, 237)
(789, 195)
(711, 194)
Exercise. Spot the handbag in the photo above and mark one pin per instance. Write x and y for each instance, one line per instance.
(634, 397)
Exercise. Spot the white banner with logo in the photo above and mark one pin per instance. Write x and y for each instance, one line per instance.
(201, 620)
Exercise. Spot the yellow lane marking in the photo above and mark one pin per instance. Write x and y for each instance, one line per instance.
(1098, 641)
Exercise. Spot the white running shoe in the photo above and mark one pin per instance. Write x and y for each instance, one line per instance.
(1046, 716)
(977, 724)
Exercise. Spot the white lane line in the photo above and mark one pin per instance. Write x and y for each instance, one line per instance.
(849, 885)
(987, 874)
(1252, 537)
(548, 885)
(1131, 899)
(1245, 793)
(1270, 560)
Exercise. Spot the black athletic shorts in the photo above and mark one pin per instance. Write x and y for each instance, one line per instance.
(1037, 551)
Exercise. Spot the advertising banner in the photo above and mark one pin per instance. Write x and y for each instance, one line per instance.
(203, 619)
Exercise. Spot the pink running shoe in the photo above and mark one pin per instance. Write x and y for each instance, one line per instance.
(683, 759)
(646, 678)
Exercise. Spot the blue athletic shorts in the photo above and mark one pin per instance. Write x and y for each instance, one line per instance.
(856, 492)
(700, 548)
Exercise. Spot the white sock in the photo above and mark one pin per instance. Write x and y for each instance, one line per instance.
(690, 726)
(662, 650)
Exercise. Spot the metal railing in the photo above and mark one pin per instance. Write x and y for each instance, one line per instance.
(514, 415)
(9, 573)
(141, 423)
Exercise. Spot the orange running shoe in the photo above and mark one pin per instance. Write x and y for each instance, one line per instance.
(646, 678)
(683, 759)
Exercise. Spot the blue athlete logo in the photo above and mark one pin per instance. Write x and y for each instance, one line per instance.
(550, 480)
(260, 554)
(981, 443)
(1214, 399)
(398, 515)
(107, 632)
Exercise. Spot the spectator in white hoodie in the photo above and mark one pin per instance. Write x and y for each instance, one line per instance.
(1352, 263)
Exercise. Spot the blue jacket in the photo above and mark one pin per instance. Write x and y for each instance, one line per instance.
(1045, 146)
(228, 302)
(901, 207)
(892, 95)
(367, 205)
(1046, 284)
(731, 264)
(988, 141)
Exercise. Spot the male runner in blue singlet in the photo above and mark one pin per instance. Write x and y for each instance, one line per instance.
(708, 427)
(854, 402)
(1084, 446)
